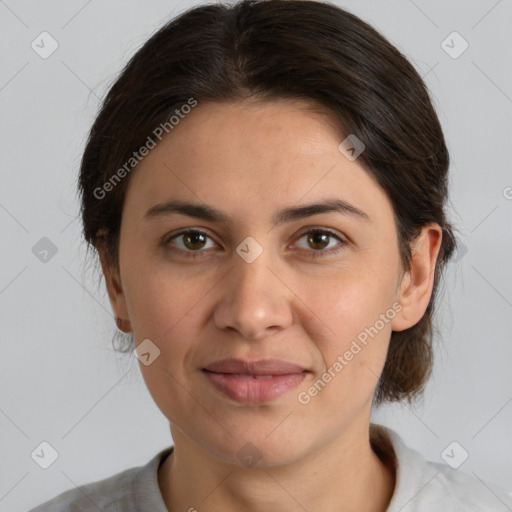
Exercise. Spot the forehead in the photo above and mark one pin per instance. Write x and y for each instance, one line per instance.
(252, 158)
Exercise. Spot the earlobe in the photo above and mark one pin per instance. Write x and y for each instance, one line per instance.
(123, 325)
(115, 291)
(418, 281)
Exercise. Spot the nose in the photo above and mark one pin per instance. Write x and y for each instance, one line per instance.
(254, 301)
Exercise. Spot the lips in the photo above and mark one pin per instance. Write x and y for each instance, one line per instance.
(255, 368)
(254, 382)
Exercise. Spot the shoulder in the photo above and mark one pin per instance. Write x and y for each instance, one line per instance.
(92, 496)
(467, 491)
(124, 491)
(423, 486)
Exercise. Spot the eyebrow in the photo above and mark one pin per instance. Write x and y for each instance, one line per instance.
(290, 214)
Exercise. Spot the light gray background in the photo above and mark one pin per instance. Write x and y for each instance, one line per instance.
(61, 381)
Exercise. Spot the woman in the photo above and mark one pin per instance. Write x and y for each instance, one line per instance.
(265, 185)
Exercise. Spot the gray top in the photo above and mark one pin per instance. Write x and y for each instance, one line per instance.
(421, 486)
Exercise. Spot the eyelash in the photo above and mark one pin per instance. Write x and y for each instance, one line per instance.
(314, 254)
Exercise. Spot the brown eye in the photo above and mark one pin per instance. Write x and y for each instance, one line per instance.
(189, 241)
(319, 240)
(194, 240)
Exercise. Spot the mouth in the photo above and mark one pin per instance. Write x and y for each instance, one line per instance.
(254, 382)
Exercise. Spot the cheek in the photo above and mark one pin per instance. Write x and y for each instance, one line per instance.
(351, 329)
(160, 298)
(350, 301)
(166, 309)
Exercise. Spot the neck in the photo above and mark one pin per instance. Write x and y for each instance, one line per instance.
(344, 475)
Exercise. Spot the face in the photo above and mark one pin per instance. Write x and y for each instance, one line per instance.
(255, 284)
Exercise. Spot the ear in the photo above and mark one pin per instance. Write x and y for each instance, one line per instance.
(115, 291)
(418, 281)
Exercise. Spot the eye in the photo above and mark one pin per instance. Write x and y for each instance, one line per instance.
(191, 240)
(320, 239)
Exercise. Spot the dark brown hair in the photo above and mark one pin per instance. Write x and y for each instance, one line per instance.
(286, 49)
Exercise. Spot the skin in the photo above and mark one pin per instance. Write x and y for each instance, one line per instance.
(250, 160)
